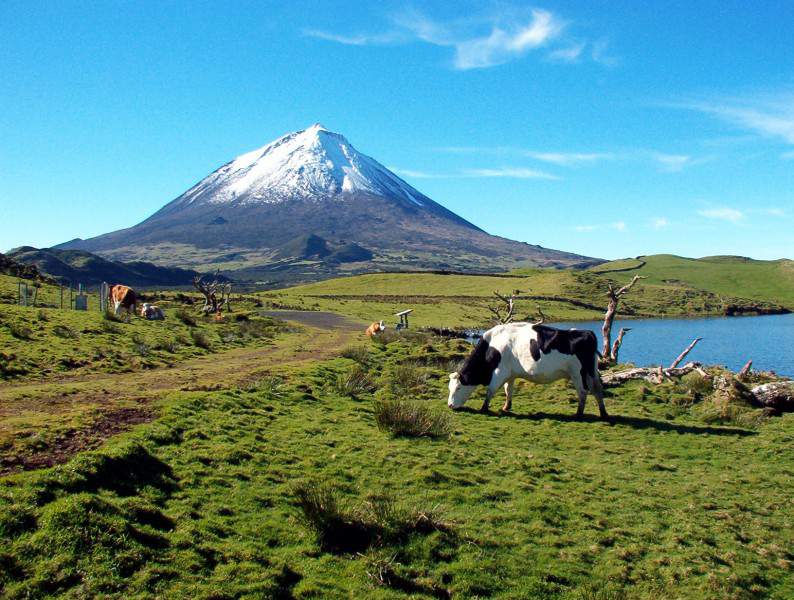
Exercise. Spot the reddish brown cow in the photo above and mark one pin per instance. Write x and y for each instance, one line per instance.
(375, 329)
(124, 297)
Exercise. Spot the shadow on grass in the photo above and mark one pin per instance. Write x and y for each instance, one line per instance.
(634, 422)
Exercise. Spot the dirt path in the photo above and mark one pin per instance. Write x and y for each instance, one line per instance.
(80, 412)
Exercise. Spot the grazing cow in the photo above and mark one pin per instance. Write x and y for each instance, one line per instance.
(375, 329)
(150, 312)
(122, 297)
(537, 353)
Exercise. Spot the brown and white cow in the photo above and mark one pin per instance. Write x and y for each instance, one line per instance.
(375, 329)
(122, 297)
(152, 312)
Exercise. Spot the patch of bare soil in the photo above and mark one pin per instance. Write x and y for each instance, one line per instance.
(65, 445)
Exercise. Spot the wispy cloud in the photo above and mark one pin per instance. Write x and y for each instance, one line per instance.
(660, 223)
(506, 172)
(514, 172)
(617, 225)
(599, 53)
(768, 115)
(417, 174)
(787, 155)
(722, 213)
(568, 158)
(568, 54)
(480, 42)
(672, 162)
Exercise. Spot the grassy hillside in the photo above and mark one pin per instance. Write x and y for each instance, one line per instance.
(214, 499)
(731, 276)
(674, 287)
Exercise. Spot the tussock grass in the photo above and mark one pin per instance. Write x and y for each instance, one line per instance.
(405, 378)
(411, 419)
(65, 332)
(185, 317)
(354, 382)
(112, 317)
(360, 354)
(20, 331)
(200, 339)
(378, 521)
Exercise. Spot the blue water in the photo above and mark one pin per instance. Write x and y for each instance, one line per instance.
(729, 341)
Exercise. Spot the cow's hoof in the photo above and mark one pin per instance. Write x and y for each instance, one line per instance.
(484, 410)
(607, 419)
(505, 410)
(578, 416)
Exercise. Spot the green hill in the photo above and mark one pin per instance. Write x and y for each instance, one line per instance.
(734, 276)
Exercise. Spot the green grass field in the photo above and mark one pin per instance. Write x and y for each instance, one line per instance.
(203, 502)
(261, 464)
(674, 287)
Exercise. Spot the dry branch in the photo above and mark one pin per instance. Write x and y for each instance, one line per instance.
(681, 356)
(618, 343)
(650, 374)
(505, 312)
(612, 308)
(745, 370)
(217, 294)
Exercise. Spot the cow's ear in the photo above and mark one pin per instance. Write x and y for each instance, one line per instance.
(454, 376)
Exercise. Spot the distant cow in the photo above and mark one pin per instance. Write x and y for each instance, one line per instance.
(150, 312)
(375, 329)
(537, 353)
(122, 297)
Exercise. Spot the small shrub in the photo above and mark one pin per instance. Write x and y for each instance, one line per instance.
(171, 346)
(64, 331)
(200, 339)
(19, 331)
(404, 379)
(42, 316)
(185, 317)
(697, 385)
(360, 354)
(354, 382)
(254, 329)
(140, 346)
(411, 419)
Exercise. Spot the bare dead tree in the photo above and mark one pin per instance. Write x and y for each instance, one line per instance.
(612, 308)
(613, 356)
(542, 318)
(504, 312)
(217, 294)
(686, 351)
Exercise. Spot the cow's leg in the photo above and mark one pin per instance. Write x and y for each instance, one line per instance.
(508, 396)
(498, 379)
(117, 307)
(581, 392)
(598, 391)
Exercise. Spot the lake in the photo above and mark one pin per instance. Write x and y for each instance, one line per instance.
(729, 341)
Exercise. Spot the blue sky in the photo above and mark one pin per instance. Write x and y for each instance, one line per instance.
(606, 128)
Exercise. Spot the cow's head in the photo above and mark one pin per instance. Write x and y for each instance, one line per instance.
(458, 392)
(381, 325)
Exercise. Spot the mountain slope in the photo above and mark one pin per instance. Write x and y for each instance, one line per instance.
(79, 266)
(246, 215)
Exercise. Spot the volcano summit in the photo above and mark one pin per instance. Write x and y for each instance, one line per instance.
(309, 205)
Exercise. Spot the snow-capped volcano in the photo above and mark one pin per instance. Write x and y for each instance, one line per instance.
(314, 164)
(302, 206)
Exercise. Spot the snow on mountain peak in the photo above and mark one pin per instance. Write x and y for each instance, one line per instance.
(312, 164)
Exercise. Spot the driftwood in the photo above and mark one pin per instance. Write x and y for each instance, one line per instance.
(686, 351)
(217, 295)
(650, 374)
(778, 395)
(618, 343)
(745, 370)
(612, 307)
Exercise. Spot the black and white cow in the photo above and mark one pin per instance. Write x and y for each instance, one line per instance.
(537, 353)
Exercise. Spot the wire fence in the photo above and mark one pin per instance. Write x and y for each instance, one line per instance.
(74, 296)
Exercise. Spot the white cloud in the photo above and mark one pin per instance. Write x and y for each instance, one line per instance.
(417, 174)
(660, 223)
(506, 172)
(617, 225)
(513, 172)
(568, 54)
(479, 42)
(723, 214)
(567, 158)
(673, 162)
(769, 115)
(504, 44)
